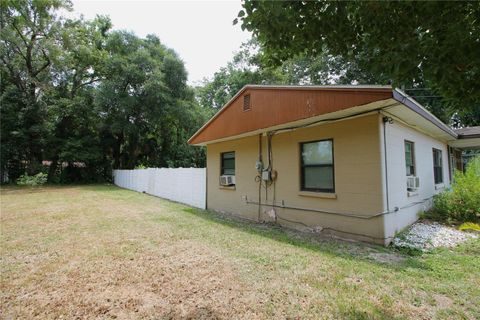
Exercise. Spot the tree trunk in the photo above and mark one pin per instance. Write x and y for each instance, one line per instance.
(52, 169)
(116, 152)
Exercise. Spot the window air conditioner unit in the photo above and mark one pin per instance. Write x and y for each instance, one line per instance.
(227, 180)
(413, 183)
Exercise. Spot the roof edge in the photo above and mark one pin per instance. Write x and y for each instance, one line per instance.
(468, 136)
(217, 114)
(321, 87)
(413, 105)
(468, 132)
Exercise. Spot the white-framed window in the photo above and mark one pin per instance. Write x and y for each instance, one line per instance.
(317, 170)
(410, 158)
(437, 166)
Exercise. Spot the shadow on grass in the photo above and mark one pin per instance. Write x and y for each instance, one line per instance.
(102, 187)
(315, 242)
(376, 313)
(11, 188)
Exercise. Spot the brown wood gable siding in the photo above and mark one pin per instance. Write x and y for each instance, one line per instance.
(271, 107)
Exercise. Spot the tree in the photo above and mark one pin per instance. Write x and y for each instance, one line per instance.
(27, 51)
(245, 68)
(76, 94)
(248, 66)
(73, 119)
(145, 104)
(433, 43)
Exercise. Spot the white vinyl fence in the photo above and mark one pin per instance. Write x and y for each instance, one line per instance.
(185, 185)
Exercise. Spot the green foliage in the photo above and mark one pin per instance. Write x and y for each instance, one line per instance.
(243, 69)
(87, 99)
(462, 202)
(469, 226)
(148, 110)
(433, 43)
(28, 50)
(36, 180)
(248, 66)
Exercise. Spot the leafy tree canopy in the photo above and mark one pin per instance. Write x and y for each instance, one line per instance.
(248, 67)
(147, 109)
(85, 99)
(417, 44)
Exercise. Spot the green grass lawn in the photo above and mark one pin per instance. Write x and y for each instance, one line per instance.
(103, 252)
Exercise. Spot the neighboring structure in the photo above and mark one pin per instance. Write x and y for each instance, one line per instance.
(356, 161)
(466, 147)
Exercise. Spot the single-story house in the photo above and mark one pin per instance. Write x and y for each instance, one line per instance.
(358, 162)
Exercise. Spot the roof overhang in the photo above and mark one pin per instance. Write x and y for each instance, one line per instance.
(418, 110)
(466, 143)
(468, 138)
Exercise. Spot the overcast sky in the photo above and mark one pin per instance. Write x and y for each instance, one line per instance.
(201, 32)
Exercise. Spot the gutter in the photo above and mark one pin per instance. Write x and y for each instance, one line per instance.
(413, 105)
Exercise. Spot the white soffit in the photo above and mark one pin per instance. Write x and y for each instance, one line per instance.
(416, 121)
(466, 143)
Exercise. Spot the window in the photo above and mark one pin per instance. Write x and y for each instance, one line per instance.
(317, 166)
(437, 166)
(410, 158)
(228, 164)
(246, 102)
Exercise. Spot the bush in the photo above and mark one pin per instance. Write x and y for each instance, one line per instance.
(36, 180)
(462, 202)
(88, 174)
(469, 226)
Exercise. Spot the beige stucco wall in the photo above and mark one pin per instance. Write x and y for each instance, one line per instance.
(358, 179)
